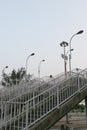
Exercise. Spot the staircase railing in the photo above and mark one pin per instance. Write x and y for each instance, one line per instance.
(23, 110)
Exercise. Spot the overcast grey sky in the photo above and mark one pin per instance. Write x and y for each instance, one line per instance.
(40, 26)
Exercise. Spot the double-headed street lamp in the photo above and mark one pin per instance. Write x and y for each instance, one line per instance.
(64, 56)
(39, 67)
(80, 32)
(32, 54)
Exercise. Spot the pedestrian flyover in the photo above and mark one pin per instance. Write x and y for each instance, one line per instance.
(38, 104)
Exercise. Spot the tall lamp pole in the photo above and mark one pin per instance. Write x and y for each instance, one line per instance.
(64, 44)
(39, 67)
(32, 54)
(70, 57)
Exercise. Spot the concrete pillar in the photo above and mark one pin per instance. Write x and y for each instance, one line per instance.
(67, 128)
(86, 109)
(62, 127)
(67, 120)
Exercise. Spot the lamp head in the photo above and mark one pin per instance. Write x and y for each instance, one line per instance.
(81, 31)
(6, 66)
(64, 44)
(43, 60)
(32, 54)
(71, 49)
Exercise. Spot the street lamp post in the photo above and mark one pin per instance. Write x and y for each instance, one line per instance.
(3, 73)
(80, 32)
(32, 54)
(4, 69)
(39, 67)
(64, 44)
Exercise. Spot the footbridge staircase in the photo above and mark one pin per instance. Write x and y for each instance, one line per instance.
(39, 104)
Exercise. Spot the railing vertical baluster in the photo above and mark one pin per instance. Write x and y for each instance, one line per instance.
(78, 83)
(27, 115)
(57, 96)
(1, 112)
(33, 106)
